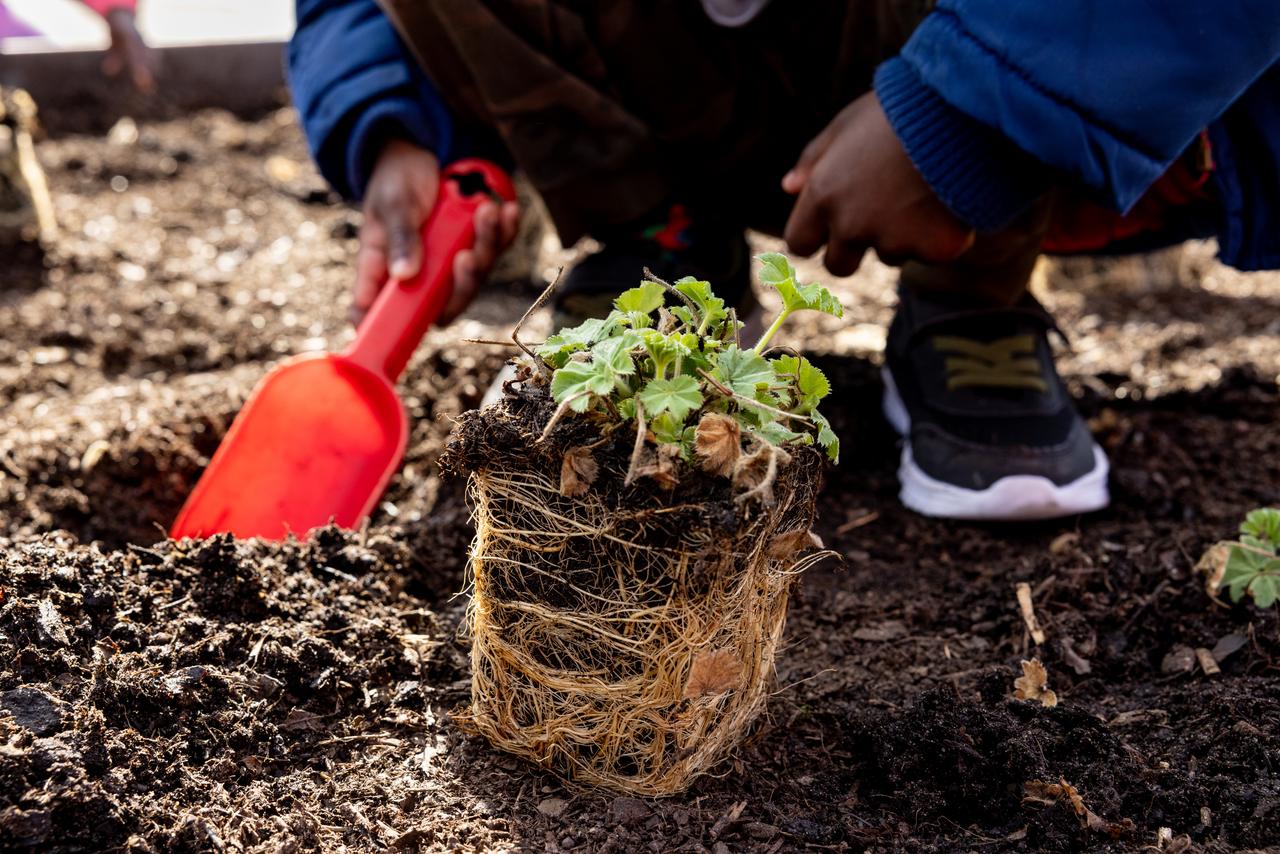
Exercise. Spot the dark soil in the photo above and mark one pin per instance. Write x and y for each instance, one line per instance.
(230, 696)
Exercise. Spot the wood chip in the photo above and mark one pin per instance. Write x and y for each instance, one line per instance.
(729, 818)
(1063, 542)
(1207, 663)
(1029, 613)
(1228, 645)
(50, 621)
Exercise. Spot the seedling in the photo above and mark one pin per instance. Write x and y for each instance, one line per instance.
(623, 630)
(668, 358)
(1250, 564)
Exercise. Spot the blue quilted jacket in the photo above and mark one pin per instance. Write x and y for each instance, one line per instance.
(994, 100)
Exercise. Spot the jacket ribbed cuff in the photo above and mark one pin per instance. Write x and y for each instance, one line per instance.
(982, 177)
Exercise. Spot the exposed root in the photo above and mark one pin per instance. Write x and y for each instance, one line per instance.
(618, 638)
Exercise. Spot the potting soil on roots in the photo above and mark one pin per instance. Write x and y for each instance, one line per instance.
(624, 637)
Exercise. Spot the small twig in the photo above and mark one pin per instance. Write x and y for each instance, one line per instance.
(1025, 605)
(733, 324)
(674, 291)
(543, 367)
(638, 449)
(728, 392)
(490, 342)
(559, 413)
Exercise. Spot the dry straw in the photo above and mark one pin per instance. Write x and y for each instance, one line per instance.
(628, 647)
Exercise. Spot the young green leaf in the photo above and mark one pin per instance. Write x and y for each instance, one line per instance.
(711, 310)
(646, 298)
(778, 273)
(557, 349)
(678, 397)
(638, 304)
(827, 437)
(1265, 588)
(1263, 526)
(742, 370)
(811, 384)
(616, 353)
(580, 380)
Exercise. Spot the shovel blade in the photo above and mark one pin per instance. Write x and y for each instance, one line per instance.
(315, 443)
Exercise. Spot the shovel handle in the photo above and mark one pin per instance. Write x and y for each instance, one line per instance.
(405, 309)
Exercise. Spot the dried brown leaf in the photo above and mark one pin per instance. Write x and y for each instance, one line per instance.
(661, 466)
(578, 471)
(718, 444)
(1214, 564)
(785, 546)
(1033, 684)
(713, 672)
(1043, 792)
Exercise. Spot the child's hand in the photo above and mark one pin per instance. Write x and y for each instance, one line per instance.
(858, 190)
(129, 53)
(401, 193)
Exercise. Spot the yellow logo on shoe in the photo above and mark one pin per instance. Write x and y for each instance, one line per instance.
(1003, 363)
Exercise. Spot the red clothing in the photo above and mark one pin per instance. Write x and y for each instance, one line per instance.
(102, 7)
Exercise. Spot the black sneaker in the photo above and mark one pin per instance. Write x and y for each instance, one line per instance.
(990, 430)
(671, 249)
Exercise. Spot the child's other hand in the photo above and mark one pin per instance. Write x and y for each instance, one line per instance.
(129, 52)
(401, 193)
(858, 190)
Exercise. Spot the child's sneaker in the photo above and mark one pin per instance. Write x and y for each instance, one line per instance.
(990, 430)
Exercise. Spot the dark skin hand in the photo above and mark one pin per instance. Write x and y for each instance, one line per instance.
(129, 53)
(401, 193)
(857, 190)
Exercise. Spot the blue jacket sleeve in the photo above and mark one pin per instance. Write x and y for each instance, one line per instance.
(994, 99)
(356, 85)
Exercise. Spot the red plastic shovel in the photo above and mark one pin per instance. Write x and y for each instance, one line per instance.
(322, 434)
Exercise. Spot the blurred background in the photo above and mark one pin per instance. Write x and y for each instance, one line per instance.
(69, 25)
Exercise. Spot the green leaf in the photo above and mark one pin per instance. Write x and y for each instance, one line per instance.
(827, 437)
(678, 396)
(810, 383)
(711, 310)
(744, 371)
(777, 433)
(1244, 564)
(1263, 524)
(627, 408)
(1265, 588)
(778, 273)
(557, 349)
(648, 297)
(581, 378)
(664, 349)
(616, 353)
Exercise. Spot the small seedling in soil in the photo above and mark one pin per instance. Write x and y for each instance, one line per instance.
(1250, 564)
(624, 631)
(668, 359)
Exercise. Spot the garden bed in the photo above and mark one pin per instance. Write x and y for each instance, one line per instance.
(238, 696)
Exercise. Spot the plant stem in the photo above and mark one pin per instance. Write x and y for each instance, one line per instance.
(777, 324)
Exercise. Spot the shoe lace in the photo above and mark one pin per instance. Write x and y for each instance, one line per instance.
(1003, 363)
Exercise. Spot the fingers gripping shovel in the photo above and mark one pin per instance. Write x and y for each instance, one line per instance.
(322, 434)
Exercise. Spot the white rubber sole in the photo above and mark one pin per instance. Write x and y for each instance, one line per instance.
(1021, 497)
